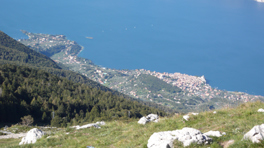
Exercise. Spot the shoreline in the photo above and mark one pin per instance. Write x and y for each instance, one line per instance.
(260, 1)
(80, 50)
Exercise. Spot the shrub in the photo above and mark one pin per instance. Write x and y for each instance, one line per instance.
(27, 120)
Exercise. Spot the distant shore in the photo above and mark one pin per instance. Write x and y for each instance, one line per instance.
(260, 1)
(80, 50)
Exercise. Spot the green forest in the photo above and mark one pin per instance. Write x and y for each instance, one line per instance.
(32, 84)
(26, 91)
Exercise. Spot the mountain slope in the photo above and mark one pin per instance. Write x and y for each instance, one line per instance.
(11, 50)
(38, 93)
(176, 91)
(29, 85)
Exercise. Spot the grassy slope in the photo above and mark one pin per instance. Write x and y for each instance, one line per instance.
(125, 134)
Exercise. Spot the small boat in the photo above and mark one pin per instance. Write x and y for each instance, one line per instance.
(89, 38)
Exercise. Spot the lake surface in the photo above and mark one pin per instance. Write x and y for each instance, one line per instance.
(221, 39)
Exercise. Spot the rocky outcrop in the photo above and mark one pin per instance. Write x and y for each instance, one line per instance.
(32, 136)
(96, 125)
(256, 134)
(187, 136)
(149, 118)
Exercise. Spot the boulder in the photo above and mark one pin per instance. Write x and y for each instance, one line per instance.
(256, 134)
(32, 136)
(213, 133)
(186, 136)
(149, 118)
(153, 117)
(261, 110)
(143, 120)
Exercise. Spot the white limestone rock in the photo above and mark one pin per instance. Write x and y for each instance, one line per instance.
(256, 134)
(261, 110)
(143, 120)
(195, 114)
(161, 140)
(32, 136)
(187, 136)
(186, 117)
(148, 118)
(96, 125)
(213, 133)
(100, 123)
(153, 117)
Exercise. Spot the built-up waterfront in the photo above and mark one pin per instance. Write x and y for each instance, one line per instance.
(139, 83)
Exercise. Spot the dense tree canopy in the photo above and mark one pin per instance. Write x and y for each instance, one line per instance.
(38, 93)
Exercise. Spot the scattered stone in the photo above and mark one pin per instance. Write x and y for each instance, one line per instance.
(187, 136)
(261, 110)
(186, 117)
(256, 134)
(96, 125)
(100, 123)
(149, 118)
(15, 136)
(213, 133)
(32, 136)
(195, 114)
(214, 112)
(226, 144)
(5, 132)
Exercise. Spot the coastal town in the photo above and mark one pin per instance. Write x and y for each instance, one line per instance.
(139, 83)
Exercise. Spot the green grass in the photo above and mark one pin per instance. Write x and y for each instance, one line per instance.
(129, 134)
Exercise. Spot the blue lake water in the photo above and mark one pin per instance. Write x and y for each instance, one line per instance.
(221, 39)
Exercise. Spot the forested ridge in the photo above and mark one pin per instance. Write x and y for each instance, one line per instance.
(32, 84)
(38, 93)
(12, 50)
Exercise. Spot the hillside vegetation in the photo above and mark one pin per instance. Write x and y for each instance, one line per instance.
(38, 93)
(33, 84)
(15, 53)
(123, 134)
(11, 50)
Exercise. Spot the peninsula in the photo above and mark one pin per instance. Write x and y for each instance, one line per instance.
(181, 92)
